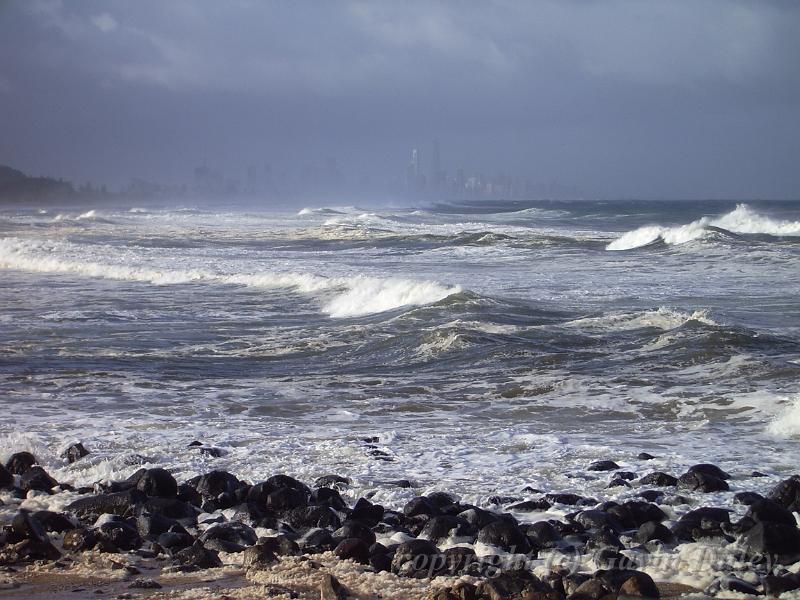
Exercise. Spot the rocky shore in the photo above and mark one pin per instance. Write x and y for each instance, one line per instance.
(217, 536)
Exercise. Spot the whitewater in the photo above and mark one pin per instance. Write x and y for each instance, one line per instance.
(482, 347)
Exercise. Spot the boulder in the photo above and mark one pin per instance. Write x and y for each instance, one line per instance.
(158, 483)
(75, 452)
(504, 534)
(787, 493)
(20, 462)
(515, 585)
(197, 557)
(659, 479)
(417, 558)
(698, 481)
(353, 549)
(603, 465)
(36, 478)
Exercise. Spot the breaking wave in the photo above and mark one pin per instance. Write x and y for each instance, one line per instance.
(661, 318)
(352, 296)
(742, 220)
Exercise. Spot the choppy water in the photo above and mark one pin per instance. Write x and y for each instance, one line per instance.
(486, 346)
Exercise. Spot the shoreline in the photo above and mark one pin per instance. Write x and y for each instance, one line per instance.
(217, 536)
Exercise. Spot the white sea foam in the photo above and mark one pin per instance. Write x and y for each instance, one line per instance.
(341, 296)
(740, 220)
(661, 318)
(787, 423)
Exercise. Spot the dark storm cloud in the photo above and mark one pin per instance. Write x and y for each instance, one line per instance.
(620, 97)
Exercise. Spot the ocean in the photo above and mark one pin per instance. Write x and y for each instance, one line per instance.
(471, 347)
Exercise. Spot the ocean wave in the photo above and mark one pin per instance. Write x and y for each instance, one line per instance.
(661, 318)
(741, 220)
(342, 296)
(787, 423)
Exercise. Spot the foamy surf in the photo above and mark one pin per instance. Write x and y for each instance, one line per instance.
(340, 297)
(742, 220)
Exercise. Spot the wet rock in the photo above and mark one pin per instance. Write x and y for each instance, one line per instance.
(356, 529)
(6, 478)
(627, 582)
(36, 478)
(775, 539)
(210, 451)
(196, 556)
(775, 585)
(698, 481)
(417, 558)
(421, 506)
(353, 549)
(659, 479)
(591, 589)
(637, 513)
(504, 534)
(731, 584)
(28, 550)
(331, 480)
(645, 456)
(236, 533)
(53, 521)
(331, 589)
(787, 493)
(603, 465)
(20, 462)
(328, 497)
(317, 540)
(25, 526)
(75, 452)
(305, 517)
(280, 545)
(366, 511)
(515, 585)
(438, 529)
(258, 557)
(747, 498)
(531, 506)
(542, 534)
(158, 483)
(401, 483)
(769, 511)
(653, 495)
(459, 560)
(461, 590)
(617, 482)
(603, 539)
(213, 484)
(182, 512)
(568, 499)
(595, 519)
(477, 517)
(175, 539)
(144, 584)
(693, 524)
(708, 469)
(119, 534)
(652, 531)
(152, 525)
(79, 540)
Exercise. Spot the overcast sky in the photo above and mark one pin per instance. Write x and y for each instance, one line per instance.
(677, 98)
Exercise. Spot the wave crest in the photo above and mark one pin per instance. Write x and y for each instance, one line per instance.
(742, 220)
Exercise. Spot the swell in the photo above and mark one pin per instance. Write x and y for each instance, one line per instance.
(739, 222)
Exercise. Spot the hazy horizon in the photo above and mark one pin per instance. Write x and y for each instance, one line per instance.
(686, 99)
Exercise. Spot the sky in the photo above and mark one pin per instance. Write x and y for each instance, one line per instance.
(619, 98)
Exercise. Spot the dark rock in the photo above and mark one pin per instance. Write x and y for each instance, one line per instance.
(317, 540)
(603, 539)
(659, 479)
(120, 534)
(710, 520)
(458, 560)
(6, 478)
(236, 533)
(626, 475)
(698, 481)
(381, 563)
(747, 498)
(501, 500)
(504, 534)
(172, 508)
(438, 529)
(305, 517)
(421, 506)
(152, 525)
(417, 558)
(515, 585)
(28, 550)
(603, 465)
(365, 511)
(707, 469)
(197, 556)
(195, 443)
(542, 534)
(328, 497)
(25, 526)
(331, 589)
(79, 540)
(765, 510)
(774, 539)
(461, 590)
(159, 483)
(651, 531)
(36, 478)
(175, 539)
(353, 549)
(617, 482)
(775, 585)
(258, 557)
(477, 517)
(144, 584)
(356, 529)
(210, 451)
(285, 499)
(640, 512)
(531, 506)
(401, 483)
(595, 519)
(645, 456)
(653, 495)
(568, 499)
(53, 521)
(75, 452)
(215, 483)
(627, 582)
(757, 474)
(20, 462)
(280, 544)
(331, 480)
(592, 589)
(786, 493)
